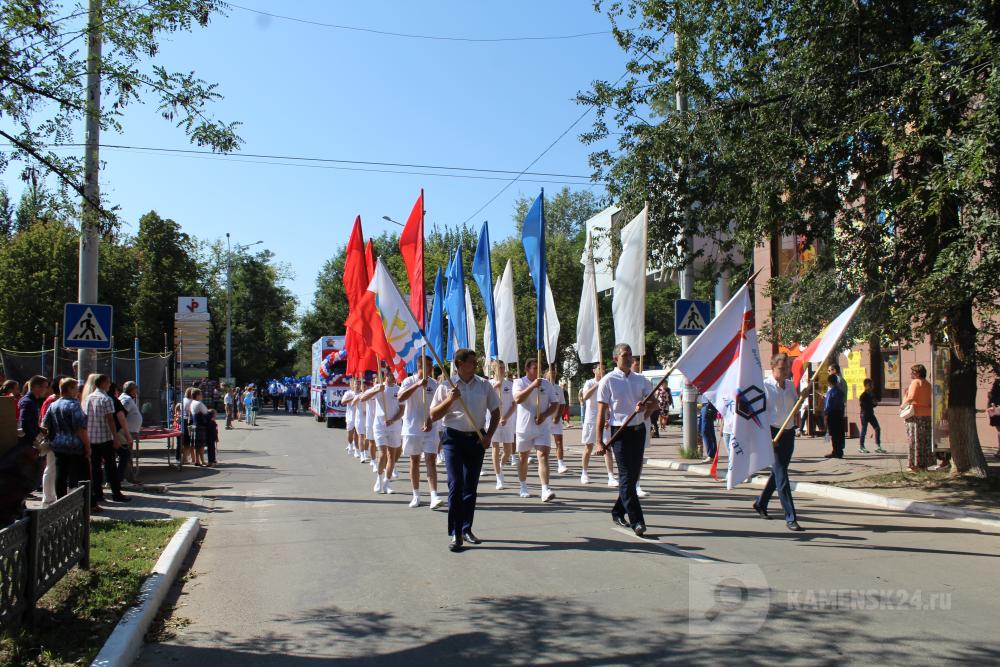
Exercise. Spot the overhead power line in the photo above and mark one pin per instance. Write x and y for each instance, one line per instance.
(406, 35)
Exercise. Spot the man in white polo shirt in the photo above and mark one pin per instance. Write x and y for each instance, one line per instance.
(536, 402)
(621, 393)
(462, 405)
(419, 434)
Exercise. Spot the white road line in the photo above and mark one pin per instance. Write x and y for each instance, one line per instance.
(677, 551)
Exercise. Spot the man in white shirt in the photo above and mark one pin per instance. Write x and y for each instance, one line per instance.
(347, 400)
(229, 403)
(420, 437)
(536, 401)
(462, 409)
(359, 419)
(620, 394)
(588, 398)
(503, 438)
(555, 425)
(781, 398)
(388, 431)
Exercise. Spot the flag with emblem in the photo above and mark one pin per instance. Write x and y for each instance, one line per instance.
(401, 329)
(724, 364)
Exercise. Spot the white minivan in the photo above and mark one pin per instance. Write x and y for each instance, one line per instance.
(676, 385)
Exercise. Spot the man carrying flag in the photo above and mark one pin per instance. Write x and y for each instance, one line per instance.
(781, 399)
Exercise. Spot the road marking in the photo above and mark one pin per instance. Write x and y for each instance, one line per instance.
(677, 551)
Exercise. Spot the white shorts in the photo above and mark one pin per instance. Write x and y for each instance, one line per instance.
(370, 426)
(555, 428)
(526, 444)
(425, 443)
(390, 437)
(504, 433)
(349, 421)
(589, 435)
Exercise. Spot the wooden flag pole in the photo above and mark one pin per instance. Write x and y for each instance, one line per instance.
(670, 370)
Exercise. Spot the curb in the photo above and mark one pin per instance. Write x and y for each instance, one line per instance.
(985, 519)
(123, 646)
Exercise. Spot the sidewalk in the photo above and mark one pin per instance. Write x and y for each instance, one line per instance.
(808, 465)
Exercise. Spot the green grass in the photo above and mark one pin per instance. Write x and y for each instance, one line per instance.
(692, 453)
(75, 618)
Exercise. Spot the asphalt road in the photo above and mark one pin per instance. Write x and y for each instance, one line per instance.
(302, 564)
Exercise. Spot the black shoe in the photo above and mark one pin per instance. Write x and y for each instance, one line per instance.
(639, 528)
(469, 537)
(831, 455)
(794, 526)
(121, 499)
(620, 521)
(761, 512)
(455, 544)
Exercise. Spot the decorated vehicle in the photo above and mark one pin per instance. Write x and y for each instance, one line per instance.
(327, 381)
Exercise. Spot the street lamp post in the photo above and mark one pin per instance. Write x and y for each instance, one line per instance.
(385, 217)
(229, 302)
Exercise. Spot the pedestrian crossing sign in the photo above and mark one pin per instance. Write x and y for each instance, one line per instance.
(690, 317)
(87, 325)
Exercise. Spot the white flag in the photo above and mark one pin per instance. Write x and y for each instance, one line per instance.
(551, 324)
(401, 330)
(724, 364)
(588, 339)
(822, 346)
(628, 303)
(470, 321)
(503, 304)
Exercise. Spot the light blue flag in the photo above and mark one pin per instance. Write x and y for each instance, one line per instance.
(533, 241)
(454, 304)
(482, 273)
(435, 326)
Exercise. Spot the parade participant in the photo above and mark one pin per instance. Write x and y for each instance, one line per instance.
(419, 434)
(360, 422)
(588, 397)
(347, 400)
(462, 407)
(503, 438)
(555, 426)
(536, 401)
(369, 453)
(621, 392)
(388, 431)
(637, 369)
(781, 397)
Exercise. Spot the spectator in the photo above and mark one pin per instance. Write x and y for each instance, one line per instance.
(100, 411)
(706, 427)
(993, 410)
(833, 410)
(212, 439)
(186, 451)
(229, 402)
(49, 475)
(250, 407)
(834, 370)
(13, 389)
(28, 428)
(129, 398)
(918, 425)
(868, 403)
(666, 401)
(123, 437)
(66, 425)
(199, 426)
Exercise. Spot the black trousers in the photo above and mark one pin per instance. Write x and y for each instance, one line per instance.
(629, 448)
(464, 460)
(778, 481)
(71, 469)
(104, 453)
(835, 422)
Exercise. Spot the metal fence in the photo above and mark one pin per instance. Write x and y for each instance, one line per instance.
(38, 550)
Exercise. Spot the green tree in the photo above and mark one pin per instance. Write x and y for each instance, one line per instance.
(43, 93)
(6, 213)
(869, 127)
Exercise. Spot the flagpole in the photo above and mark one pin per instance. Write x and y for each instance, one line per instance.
(798, 403)
(670, 370)
(423, 351)
(597, 304)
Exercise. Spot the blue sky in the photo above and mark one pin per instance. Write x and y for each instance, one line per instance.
(311, 91)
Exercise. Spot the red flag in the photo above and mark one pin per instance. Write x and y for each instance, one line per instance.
(411, 247)
(376, 340)
(361, 308)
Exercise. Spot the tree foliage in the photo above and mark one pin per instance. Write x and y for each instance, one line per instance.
(870, 128)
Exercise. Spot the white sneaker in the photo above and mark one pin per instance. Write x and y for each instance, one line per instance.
(562, 468)
(357, 454)
(386, 489)
(513, 461)
(378, 485)
(499, 482)
(524, 491)
(530, 459)
(395, 474)
(612, 481)
(415, 502)
(374, 467)
(639, 492)
(547, 495)
(584, 478)
(436, 502)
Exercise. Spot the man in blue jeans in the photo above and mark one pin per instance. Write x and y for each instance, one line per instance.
(781, 398)
(462, 406)
(706, 428)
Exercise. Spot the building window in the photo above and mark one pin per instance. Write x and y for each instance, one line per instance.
(887, 375)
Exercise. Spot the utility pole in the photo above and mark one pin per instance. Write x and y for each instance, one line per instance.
(90, 221)
(689, 397)
(229, 309)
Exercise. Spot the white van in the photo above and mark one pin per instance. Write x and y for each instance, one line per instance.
(676, 385)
